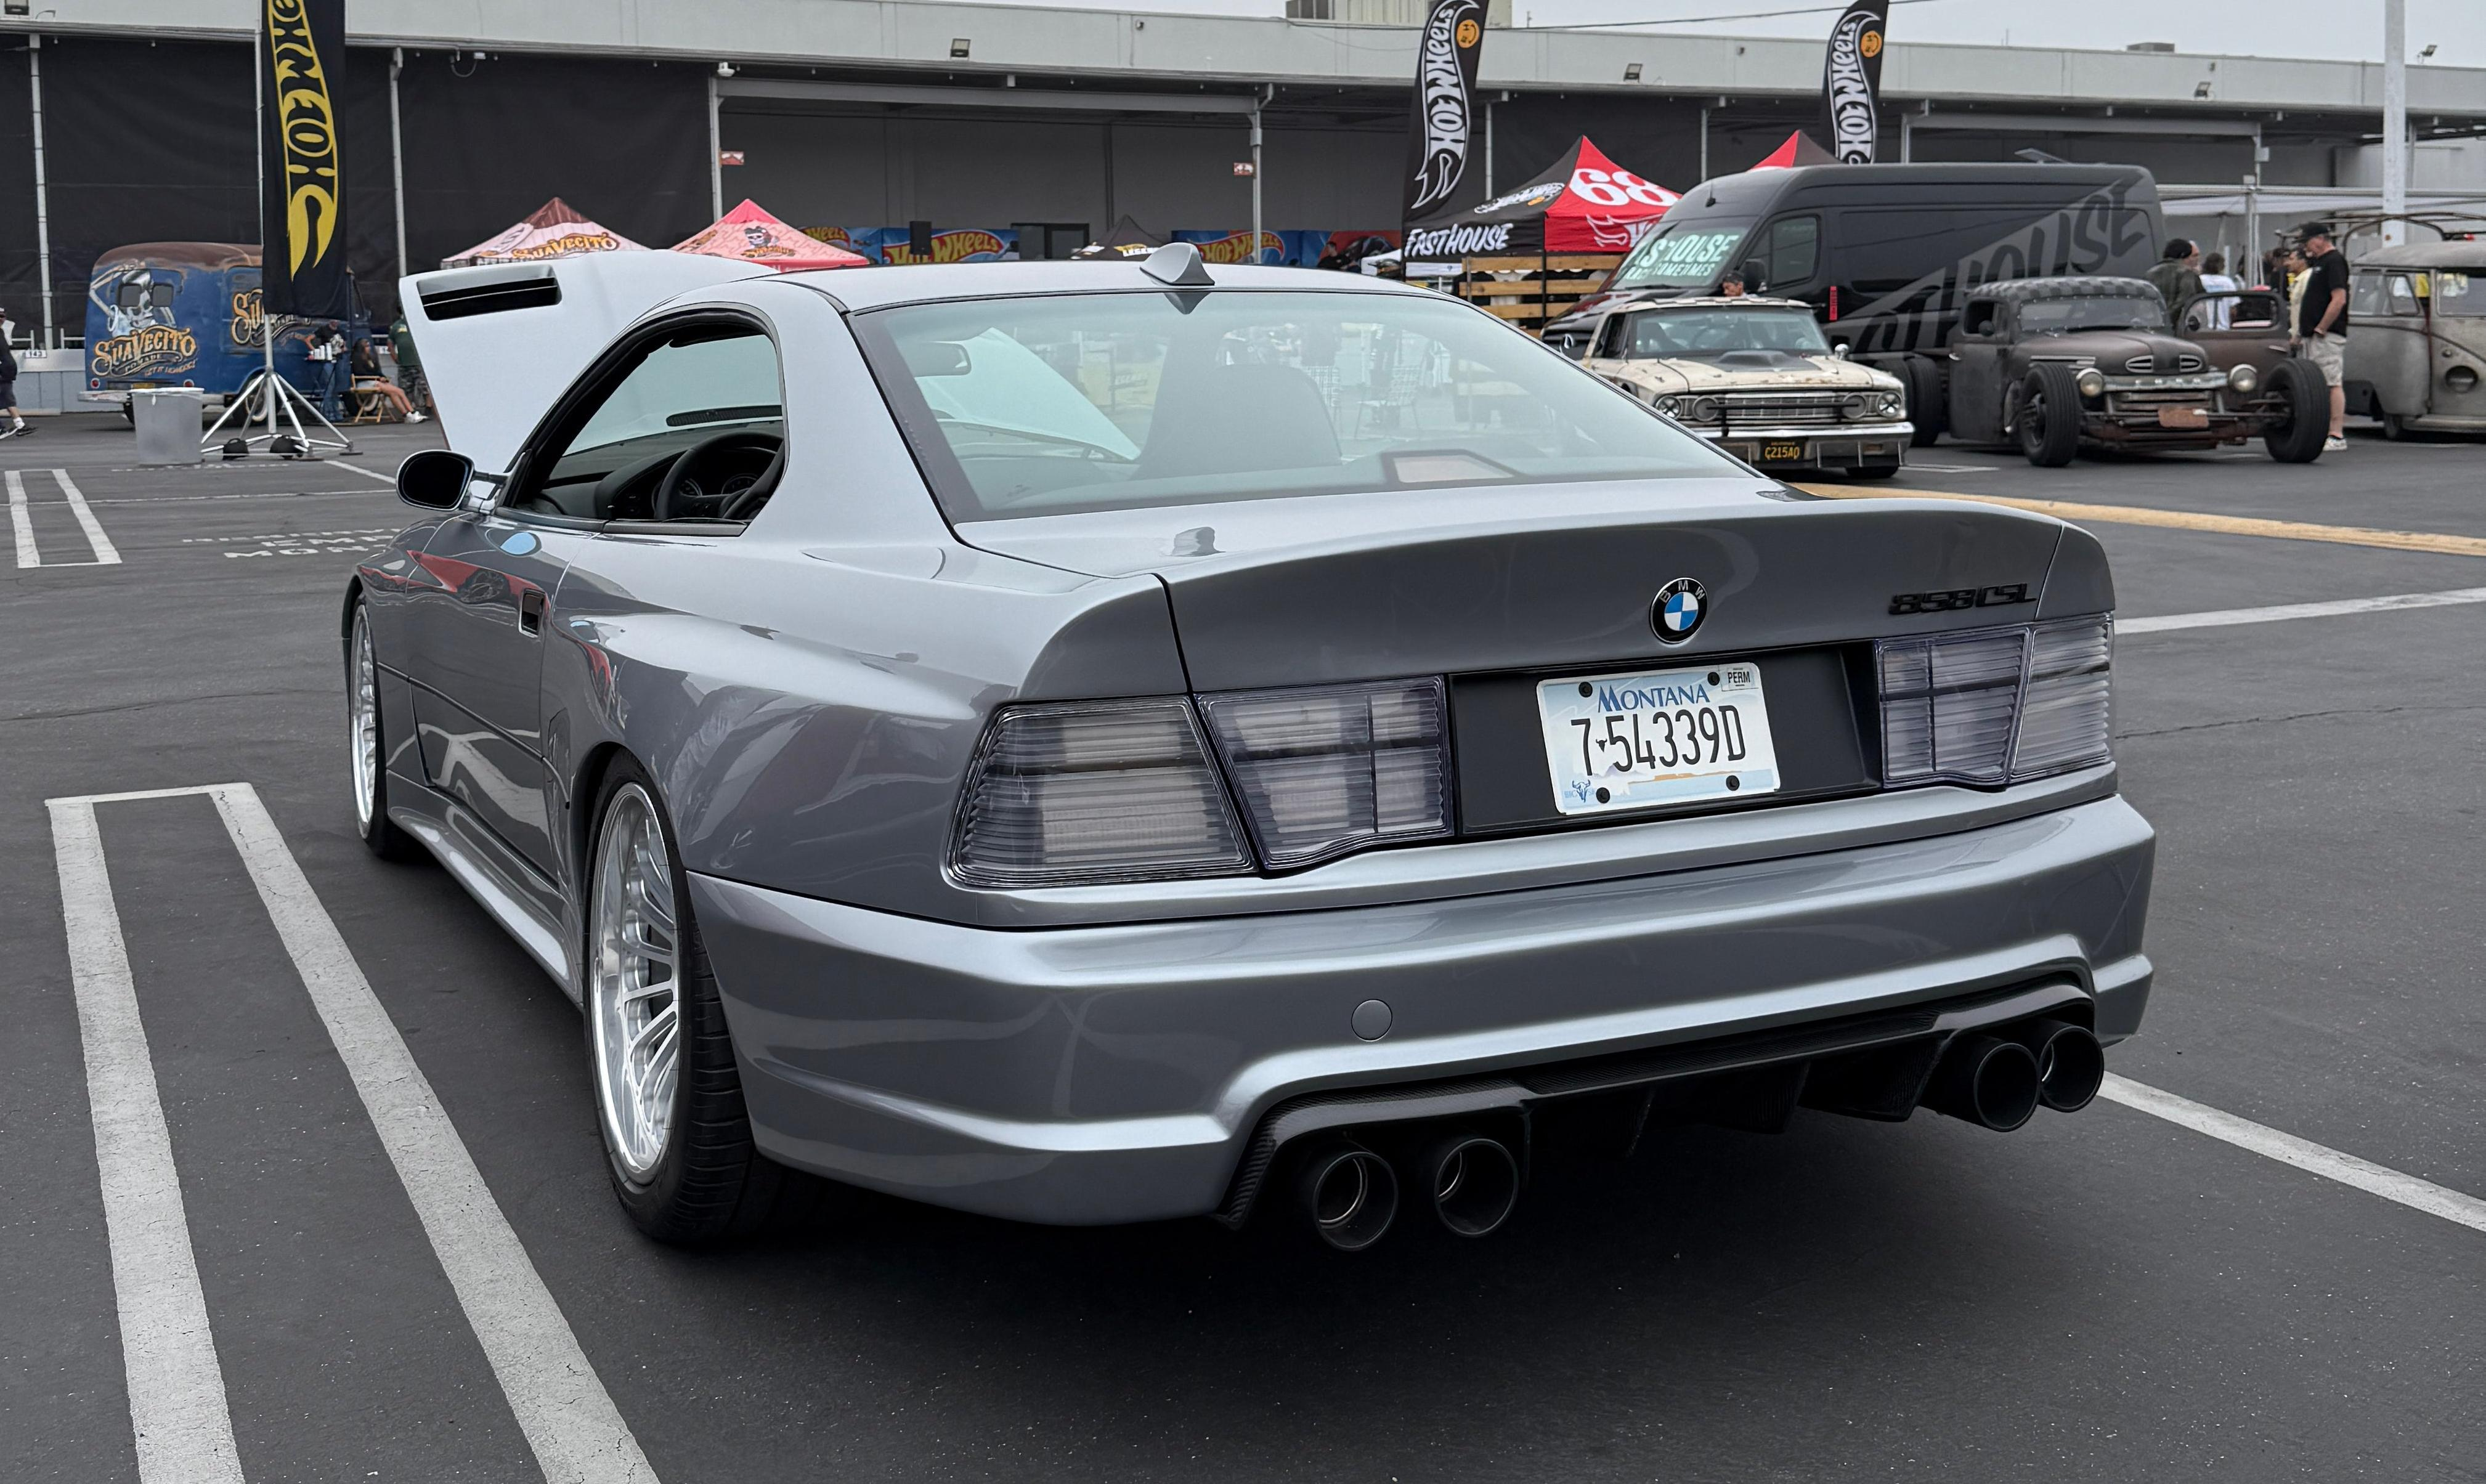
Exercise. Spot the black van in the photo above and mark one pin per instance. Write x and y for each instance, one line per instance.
(1886, 254)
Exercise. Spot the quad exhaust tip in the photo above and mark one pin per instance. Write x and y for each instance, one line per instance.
(1474, 1182)
(1349, 1194)
(2071, 1064)
(1987, 1081)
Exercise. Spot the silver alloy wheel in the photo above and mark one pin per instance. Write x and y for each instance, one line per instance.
(363, 722)
(634, 974)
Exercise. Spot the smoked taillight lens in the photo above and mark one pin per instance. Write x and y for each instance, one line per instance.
(1326, 770)
(1094, 792)
(1996, 705)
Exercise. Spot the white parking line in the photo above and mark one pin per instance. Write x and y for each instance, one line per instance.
(104, 554)
(568, 1418)
(2288, 1149)
(19, 521)
(168, 1353)
(369, 473)
(2223, 618)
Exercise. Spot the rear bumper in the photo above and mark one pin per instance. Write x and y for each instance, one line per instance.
(1108, 1074)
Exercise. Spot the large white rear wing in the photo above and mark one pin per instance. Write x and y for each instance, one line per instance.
(500, 342)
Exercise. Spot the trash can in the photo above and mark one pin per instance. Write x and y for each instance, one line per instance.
(167, 419)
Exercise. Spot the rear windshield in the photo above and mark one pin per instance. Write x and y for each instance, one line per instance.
(1685, 255)
(1050, 404)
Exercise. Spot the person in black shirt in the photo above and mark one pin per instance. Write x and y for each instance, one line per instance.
(2322, 320)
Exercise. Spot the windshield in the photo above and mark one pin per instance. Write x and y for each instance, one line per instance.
(2098, 312)
(1683, 256)
(1669, 333)
(1046, 405)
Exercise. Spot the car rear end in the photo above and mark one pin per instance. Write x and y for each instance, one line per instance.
(1483, 810)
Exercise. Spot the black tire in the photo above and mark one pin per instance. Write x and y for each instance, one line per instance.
(1926, 411)
(2304, 417)
(2396, 428)
(710, 1181)
(2050, 416)
(380, 834)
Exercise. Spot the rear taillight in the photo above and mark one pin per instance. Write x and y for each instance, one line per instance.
(1325, 771)
(1093, 792)
(1996, 705)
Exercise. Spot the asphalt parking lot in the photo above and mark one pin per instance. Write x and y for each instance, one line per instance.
(2115, 1295)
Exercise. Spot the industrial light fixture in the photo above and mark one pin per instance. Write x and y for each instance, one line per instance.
(26, 7)
(724, 69)
(1631, 71)
(2201, 90)
(957, 47)
(2426, 55)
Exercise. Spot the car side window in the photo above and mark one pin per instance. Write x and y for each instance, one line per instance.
(2402, 294)
(687, 423)
(1612, 337)
(1981, 319)
(2365, 293)
(1794, 251)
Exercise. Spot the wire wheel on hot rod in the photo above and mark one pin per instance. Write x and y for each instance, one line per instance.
(2050, 416)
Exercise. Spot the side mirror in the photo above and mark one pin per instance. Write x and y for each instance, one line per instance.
(1755, 280)
(434, 478)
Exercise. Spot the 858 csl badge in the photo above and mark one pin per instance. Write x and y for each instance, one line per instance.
(1956, 598)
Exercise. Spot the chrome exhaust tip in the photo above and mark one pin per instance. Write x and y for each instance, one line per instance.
(1986, 1082)
(1474, 1182)
(2071, 1064)
(1350, 1196)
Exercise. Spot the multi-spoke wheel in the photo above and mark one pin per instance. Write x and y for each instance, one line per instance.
(634, 983)
(367, 746)
(667, 1093)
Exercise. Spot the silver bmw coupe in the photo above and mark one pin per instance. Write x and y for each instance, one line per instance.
(1103, 742)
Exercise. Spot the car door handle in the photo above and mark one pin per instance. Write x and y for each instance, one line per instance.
(531, 610)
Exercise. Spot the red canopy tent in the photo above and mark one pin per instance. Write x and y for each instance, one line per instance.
(1584, 204)
(1799, 149)
(748, 234)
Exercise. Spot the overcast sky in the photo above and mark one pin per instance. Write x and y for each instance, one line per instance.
(2268, 28)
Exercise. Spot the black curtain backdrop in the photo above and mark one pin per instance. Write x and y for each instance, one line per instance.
(625, 142)
(17, 277)
(153, 143)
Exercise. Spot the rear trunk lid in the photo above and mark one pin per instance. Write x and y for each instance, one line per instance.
(499, 344)
(1300, 592)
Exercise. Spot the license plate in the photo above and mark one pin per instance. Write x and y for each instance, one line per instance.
(2183, 417)
(1664, 736)
(1781, 452)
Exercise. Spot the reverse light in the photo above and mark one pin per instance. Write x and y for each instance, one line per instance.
(1996, 705)
(1324, 771)
(1094, 792)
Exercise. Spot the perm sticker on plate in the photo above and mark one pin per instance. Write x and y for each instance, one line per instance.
(1656, 737)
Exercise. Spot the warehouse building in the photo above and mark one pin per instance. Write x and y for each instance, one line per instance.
(131, 121)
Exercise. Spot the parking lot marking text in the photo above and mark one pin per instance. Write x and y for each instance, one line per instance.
(2288, 1149)
(569, 1422)
(2223, 618)
(2188, 520)
(178, 1412)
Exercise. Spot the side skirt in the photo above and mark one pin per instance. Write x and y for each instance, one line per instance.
(503, 887)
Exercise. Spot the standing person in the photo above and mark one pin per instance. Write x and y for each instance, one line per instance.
(327, 354)
(409, 363)
(2322, 320)
(17, 427)
(2178, 273)
(2215, 280)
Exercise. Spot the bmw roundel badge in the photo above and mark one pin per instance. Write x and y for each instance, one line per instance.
(1680, 606)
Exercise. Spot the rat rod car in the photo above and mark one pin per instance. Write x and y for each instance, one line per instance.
(2055, 363)
(1755, 377)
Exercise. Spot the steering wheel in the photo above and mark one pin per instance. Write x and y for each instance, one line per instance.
(734, 495)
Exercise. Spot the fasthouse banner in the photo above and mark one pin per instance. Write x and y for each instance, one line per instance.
(302, 175)
(1442, 128)
(1851, 82)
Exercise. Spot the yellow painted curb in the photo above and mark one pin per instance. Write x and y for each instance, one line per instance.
(2187, 520)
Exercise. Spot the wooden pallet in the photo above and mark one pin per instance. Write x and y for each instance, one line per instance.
(1529, 291)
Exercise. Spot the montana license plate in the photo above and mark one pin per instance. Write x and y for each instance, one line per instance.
(1781, 452)
(1667, 736)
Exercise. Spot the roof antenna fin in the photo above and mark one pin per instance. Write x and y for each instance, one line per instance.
(1178, 263)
